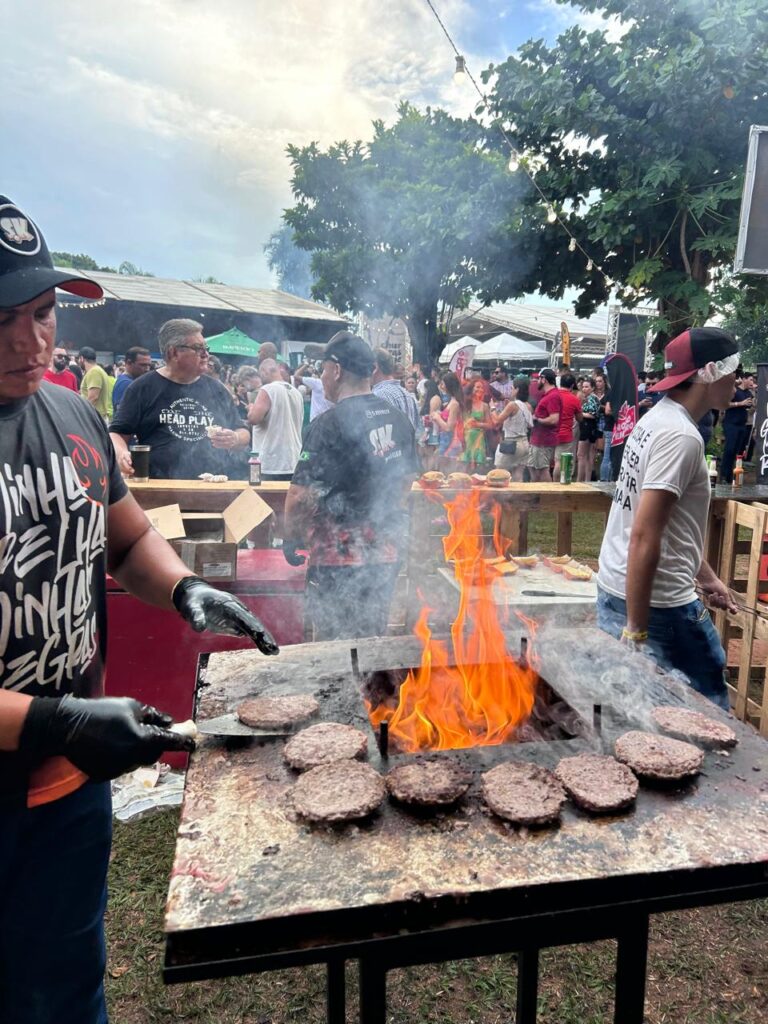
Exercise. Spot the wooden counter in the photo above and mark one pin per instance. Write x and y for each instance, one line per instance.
(197, 496)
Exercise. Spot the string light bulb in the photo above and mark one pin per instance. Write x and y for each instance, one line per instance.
(590, 265)
(572, 245)
(551, 215)
(460, 74)
(514, 162)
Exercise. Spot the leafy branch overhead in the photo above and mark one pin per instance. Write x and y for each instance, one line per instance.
(641, 143)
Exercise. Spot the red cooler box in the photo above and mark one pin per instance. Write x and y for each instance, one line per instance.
(152, 654)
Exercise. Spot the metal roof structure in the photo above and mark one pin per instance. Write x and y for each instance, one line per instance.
(532, 320)
(168, 292)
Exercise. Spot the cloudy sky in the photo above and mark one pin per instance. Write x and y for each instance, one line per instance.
(155, 131)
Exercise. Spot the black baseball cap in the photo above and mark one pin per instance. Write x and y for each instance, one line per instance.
(351, 353)
(26, 267)
(691, 350)
(548, 375)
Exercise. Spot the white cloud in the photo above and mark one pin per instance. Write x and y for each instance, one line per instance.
(563, 16)
(152, 109)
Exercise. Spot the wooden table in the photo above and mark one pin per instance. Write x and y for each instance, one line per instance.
(197, 496)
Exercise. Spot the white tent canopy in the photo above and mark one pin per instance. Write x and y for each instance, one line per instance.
(451, 349)
(508, 347)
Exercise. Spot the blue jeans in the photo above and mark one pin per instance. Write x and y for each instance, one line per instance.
(682, 638)
(605, 466)
(53, 893)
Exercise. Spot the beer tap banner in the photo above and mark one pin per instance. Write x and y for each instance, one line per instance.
(622, 394)
(761, 424)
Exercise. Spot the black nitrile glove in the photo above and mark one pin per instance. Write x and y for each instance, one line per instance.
(104, 737)
(205, 607)
(291, 555)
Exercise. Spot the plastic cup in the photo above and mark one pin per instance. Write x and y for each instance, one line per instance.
(140, 460)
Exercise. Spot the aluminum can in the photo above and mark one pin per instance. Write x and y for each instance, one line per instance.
(566, 468)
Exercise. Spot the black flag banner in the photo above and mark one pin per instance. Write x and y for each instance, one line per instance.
(622, 394)
(761, 424)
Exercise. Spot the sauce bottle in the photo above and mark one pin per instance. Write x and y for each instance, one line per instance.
(254, 469)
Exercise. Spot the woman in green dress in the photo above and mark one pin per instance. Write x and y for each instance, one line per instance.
(477, 419)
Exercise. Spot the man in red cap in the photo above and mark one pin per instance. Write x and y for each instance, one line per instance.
(652, 555)
(66, 519)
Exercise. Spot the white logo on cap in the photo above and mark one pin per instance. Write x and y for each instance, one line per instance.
(17, 233)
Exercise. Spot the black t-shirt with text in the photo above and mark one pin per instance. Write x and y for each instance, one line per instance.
(173, 419)
(58, 475)
(357, 458)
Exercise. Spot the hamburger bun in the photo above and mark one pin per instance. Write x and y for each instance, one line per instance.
(461, 481)
(432, 479)
(498, 478)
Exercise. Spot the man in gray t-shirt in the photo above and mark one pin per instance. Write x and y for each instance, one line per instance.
(652, 555)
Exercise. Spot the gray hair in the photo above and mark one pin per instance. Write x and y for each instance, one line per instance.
(176, 332)
(246, 373)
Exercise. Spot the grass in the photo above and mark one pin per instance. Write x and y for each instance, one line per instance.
(707, 966)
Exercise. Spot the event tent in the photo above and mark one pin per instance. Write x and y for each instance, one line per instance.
(453, 347)
(508, 348)
(233, 342)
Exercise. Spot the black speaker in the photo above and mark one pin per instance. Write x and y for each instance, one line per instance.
(752, 244)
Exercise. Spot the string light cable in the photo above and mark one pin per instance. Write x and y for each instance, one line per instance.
(515, 161)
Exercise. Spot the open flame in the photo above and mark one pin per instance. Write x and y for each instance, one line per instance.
(482, 694)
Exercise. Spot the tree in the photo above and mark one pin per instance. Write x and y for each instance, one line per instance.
(745, 314)
(407, 224)
(127, 268)
(79, 262)
(291, 264)
(640, 145)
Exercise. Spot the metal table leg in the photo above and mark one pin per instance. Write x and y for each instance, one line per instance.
(527, 986)
(373, 992)
(631, 964)
(336, 996)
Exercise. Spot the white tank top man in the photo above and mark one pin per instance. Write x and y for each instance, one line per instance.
(276, 417)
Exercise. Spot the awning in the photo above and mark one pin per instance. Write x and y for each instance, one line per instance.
(453, 347)
(508, 347)
(233, 342)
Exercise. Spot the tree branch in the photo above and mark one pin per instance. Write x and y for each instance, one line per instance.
(683, 253)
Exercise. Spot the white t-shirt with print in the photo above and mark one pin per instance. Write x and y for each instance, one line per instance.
(664, 452)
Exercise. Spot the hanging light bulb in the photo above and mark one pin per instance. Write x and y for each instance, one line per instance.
(551, 215)
(514, 162)
(572, 245)
(590, 265)
(460, 74)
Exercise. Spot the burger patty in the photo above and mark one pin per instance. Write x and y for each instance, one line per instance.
(692, 725)
(428, 783)
(325, 743)
(597, 783)
(658, 757)
(523, 793)
(342, 791)
(275, 712)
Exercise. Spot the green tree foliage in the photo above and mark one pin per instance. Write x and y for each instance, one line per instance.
(641, 144)
(407, 224)
(79, 261)
(745, 314)
(291, 264)
(130, 269)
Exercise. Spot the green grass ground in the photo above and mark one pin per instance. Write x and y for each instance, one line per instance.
(706, 966)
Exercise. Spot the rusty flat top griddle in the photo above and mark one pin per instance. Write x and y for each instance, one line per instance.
(248, 876)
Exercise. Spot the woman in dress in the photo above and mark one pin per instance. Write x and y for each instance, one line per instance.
(477, 419)
(432, 402)
(516, 421)
(585, 453)
(449, 423)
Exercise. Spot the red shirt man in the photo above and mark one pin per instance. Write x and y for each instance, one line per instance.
(57, 372)
(571, 409)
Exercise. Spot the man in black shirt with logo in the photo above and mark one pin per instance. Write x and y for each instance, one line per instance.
(177, 410)
(347, 499)
(66, 520)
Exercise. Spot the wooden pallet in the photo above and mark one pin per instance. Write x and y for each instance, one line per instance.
(739, 569)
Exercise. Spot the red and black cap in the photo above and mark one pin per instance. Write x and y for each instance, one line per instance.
(351, 353)
(691, 350)
(26, 267)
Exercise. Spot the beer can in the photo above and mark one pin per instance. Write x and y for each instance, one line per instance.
(566, 467)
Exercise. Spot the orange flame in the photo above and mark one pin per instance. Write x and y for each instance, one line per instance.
(482, 694)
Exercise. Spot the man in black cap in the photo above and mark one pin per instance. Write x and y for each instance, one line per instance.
(346, 501)
(66, 519)
(652, 555)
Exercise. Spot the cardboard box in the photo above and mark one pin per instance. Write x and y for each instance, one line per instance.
(207, 542)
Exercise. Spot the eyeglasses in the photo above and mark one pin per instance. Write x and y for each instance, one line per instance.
(202, 350)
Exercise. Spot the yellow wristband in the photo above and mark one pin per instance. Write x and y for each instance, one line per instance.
(627, 634)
